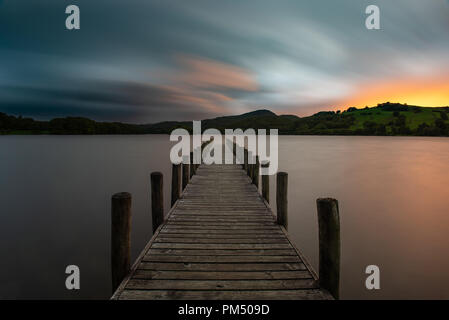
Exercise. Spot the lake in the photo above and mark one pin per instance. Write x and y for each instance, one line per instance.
(393, 194)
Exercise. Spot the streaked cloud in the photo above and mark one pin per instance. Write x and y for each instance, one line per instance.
(205, 73)
(147, 61)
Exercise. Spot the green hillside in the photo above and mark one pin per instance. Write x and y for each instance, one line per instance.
(410, 117)
(384, 119)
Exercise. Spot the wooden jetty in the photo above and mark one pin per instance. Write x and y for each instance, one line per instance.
(220, 240)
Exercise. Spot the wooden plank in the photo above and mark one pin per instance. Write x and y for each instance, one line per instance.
(236, 214)
(221, 241)
(144, 284)
(228, 227)
(222, 236)
(221, 223)
(232, 246)
(209, 252)
(201, 231)
(221, 275)
(208, 221)
(221, 259)
(178, 266)
(311, 294)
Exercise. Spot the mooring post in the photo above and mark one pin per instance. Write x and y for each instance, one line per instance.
(248, 169)
(329, 245)
(203, 145)
(157, 199)
(192, 166)
(245, 159)
(198, 158)
(185, 173)
(239, 155)
(120, 237)
(281, 198)
(265, 182)
(252, 168)
(175, 182)
(256, 173)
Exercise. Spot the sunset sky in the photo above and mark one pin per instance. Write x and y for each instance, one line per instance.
(147, 61)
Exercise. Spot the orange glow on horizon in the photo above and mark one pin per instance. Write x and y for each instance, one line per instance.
(418, 92)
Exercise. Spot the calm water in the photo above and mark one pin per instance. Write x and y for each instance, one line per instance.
(393, 192)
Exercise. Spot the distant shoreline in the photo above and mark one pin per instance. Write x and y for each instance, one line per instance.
(388, 119)
(168, 134)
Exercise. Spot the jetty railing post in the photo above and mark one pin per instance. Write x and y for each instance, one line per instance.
(248, 168)
(329, 245)
(266, 182)
(157, 199)
(192, 166)
(251, 171)
(245, 160)
(281, 198)
(185, 174)
(256, 171)
(198, 158)
(120, 237)
(175, 182)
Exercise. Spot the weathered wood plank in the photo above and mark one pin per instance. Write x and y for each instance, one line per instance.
(221, 241)
(221, 219)
(168, 266)
(311, 294)
(210, 225)
(209, 252)
(142, 284)
(222, 236)
(221, 275)
(233, 246)
(200, 231)
(221, 259)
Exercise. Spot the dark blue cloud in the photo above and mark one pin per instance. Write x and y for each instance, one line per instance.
(122, 64)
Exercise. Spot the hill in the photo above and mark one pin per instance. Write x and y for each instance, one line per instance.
(384, 119)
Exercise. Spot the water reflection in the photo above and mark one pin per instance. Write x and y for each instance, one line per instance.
(393, 198)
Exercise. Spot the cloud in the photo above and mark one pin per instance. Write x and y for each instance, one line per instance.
(113, 101)
(205, 73)
(146, 61)
(207, 84)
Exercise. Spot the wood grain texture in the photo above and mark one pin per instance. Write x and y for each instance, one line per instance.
(220, 241)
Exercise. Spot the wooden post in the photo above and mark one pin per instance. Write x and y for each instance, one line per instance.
(192, 166)
(185, 175)
(282, 198)
(157, 199)
(120, 237)
(266, 182)
(245, 160)
(200, 155)
(239, 154)
(248, 168)
(329, 244)
(175, 183)
(256, 173)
